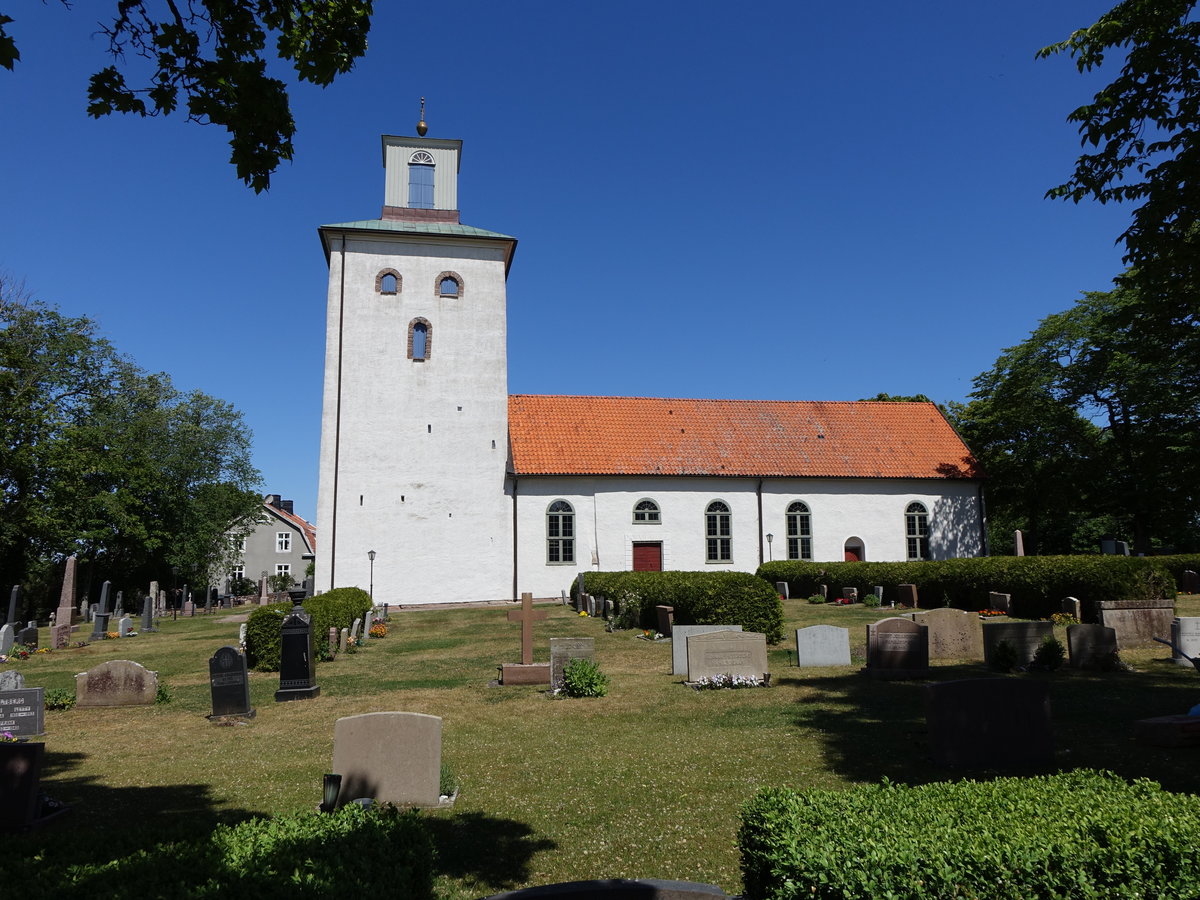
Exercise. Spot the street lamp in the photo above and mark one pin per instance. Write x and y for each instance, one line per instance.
(371, 557)
(770, 555)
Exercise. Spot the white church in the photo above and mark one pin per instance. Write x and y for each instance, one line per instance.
(438, 486)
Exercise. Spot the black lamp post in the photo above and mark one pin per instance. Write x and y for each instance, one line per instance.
(371, 557)
(770, 555)
(174, 593)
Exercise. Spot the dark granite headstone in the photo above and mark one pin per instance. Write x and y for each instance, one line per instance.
(28, 636)
(20, 778)
(1191, 582)
(148, 614)
(906, 595)
(230, 683)
(989, 723)
(666, 618)
(1091, 646)
(297, 661)
(22, 712)
(897, 648)
(13, 600)
(1024, 637)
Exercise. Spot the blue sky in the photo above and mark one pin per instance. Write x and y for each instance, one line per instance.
(789, 201)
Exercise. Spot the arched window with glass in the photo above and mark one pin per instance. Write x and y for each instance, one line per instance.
(646, 512)
(916, 530)
(420, 180)
(799, 531)
(718, 533)
(449, 284)
(420, 340)
(388, 282)
(560, 533)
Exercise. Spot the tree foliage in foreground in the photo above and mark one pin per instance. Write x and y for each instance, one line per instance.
(209, 58)
(1087, 428)
(108, 462)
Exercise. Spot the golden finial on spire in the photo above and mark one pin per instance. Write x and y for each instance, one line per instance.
(421, 126)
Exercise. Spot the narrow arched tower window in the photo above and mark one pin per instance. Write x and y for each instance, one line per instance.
(420, 180)
(916, 530)
(420, 340)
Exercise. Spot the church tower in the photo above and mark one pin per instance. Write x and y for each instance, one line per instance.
(414, 428)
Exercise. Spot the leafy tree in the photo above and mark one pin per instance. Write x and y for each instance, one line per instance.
(900, 398)
(100, 459)
(1145, 128)
(207, 56)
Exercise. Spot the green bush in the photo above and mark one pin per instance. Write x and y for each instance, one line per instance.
(815, 599)
(1037, 584)
(871, 601)
(334, 609)
(699, 598)
(59, 698)
(1078, 834)
(583, 678)
(1049, 655)
(1004, 657)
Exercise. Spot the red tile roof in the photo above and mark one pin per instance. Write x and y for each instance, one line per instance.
(563, 435)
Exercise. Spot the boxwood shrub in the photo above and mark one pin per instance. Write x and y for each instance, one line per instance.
(699, 598)
(1076, 834)
(1037, 584)
(334, 609)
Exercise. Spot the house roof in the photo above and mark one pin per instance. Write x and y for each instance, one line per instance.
(570, 435)
(306, 529)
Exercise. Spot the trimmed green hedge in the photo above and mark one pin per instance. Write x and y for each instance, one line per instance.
(334, 609)
(1178, 563)
(699, 598)
(1037, 584)
(1080, 834)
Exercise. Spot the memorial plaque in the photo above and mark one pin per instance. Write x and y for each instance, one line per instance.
(230, 683)
(22, 713)
(737, 653)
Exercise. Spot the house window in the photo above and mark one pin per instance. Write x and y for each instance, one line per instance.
(560, 533)
(718, 533)
(420, 339)
(420, 181)
(916, 531)
(388, 282)
(237, 573)
(283, 541)
(645, 512)
(799, 531)
(283, 569)
(449, 284)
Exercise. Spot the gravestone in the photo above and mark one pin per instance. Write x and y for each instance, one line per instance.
(83, 611)
(850, 594)
(390, 757)
(822, 645)
(906, 595)
(125, 626)
(66, 598)
(1136, 622)
(28, 636)
(333, 641)
(782, 589)
(1191, 582)
(148, 615)
(297, 661)
(100, 620)
(154, 591)
(1091, 646)
(591, 605)
(118, 682)
(879, 593)
(1018, 543)
(1185, 634)
(189, 608)
(526, 672)
(60, 636)
(823, 590)
(230, 684)
(606, 607)
(11, 680)
(22, 711)
(1001, 602)
(20, 779)
(208, 606)
(679, 639)
(1072, 607)
(989, 723)
(93, 609)
(354, 630)
(343, 640)
(119, 610)
(14, 599)
(737, 653)
(563, 650)
(666, 618)
(1023, 637)
(242, 636)
(8, 637)
(953, 633)
(897, 648)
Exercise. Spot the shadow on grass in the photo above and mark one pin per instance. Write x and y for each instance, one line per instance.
(872, 729)
(491, 852)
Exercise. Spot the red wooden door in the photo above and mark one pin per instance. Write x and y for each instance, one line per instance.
(647, 557)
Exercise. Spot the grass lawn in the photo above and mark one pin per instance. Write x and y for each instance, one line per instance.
(645, 782)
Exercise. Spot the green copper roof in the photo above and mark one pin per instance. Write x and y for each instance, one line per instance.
(395, 225)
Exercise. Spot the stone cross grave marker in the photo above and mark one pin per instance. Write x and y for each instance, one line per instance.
(390, 757)
(118, 682)
(22, 711)
(230, 684)
(679, 639)
(822, 645)
(989, 723)
(897, 648)
(297, 661)
(737, 653)
(1024, 637)
(563, 650)
(526, 615)
(1091, 646)
(953, 633)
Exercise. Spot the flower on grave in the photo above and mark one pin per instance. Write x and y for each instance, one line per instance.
(726, 681)
(111, 635)
(42, 650)
(7, 737)
(378, 630)
(583, 612)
